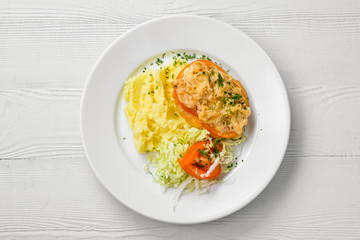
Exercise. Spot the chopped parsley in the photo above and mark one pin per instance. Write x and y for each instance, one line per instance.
(237, 96)
(203, 153)
(220, 80)
(203, 57)
(159, 61)
(188, 56)
(198, 165)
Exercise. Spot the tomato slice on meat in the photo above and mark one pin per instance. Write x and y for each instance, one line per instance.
(192, 118)
(197, 161)
(206, 62)
(218, 134)
(178, 102)
(180, 76)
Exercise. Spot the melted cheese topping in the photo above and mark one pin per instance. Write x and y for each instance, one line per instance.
(215, 96)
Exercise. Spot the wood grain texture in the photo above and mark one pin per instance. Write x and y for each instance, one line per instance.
(312, 42)
(324, 122)
(61, 198)
(47, 188)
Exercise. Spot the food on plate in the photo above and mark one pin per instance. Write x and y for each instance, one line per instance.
(151, 111)
(200, 158)
(207, 96)
(188, 117)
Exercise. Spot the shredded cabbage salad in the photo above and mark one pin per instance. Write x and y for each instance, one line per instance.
(167, 171)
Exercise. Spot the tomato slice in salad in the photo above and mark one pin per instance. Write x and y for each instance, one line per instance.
(197, 161)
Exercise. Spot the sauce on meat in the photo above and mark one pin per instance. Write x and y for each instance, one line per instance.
(215, 97)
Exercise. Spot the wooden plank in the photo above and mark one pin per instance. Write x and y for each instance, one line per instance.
(55, 44)
(45, 123)
(40, 123)
(309, 198)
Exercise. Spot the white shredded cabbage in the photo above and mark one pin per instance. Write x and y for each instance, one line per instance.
(168, 173)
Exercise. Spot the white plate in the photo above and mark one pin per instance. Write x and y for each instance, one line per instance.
(119, 166)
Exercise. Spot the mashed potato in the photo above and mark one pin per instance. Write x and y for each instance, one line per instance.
(151, 111)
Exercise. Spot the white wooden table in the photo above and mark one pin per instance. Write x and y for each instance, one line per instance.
(47, 189)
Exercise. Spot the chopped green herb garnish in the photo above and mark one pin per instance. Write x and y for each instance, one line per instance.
(220, 80)
(237, 96)
(203, 153)
(159, 61)
(188, 56)
(203, 57)
(198, 165)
